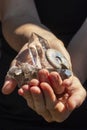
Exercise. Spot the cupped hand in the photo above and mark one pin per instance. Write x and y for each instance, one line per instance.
(53, 98)
(47, 94)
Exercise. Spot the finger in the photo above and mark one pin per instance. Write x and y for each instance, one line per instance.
(49, 95)
(76, 99)
(60, 112)
(9, 83)
(56, 82)
(34, 82)
(77, 94)
(23, 90)
(67, 82)
(9, 86)
(57, 108)
(26, 94)
(39, 103)
(52, 103)
(43, 75)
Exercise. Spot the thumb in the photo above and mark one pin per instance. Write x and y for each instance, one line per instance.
(9, 86)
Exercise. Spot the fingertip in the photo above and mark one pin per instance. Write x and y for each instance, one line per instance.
(9, 86)
(55, 75)
(43, 75)
(21, 92)
(43, 71)
(34, 82)
(67, 82)
(23, 89)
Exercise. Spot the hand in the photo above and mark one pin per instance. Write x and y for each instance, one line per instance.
(53, 98)
(37, 46)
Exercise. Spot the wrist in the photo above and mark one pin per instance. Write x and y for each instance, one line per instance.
(18, 33)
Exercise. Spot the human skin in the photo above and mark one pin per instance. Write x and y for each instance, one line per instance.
(22, 24)
(50, 96)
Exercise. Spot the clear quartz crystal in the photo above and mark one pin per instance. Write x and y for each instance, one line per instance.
(51, 59)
